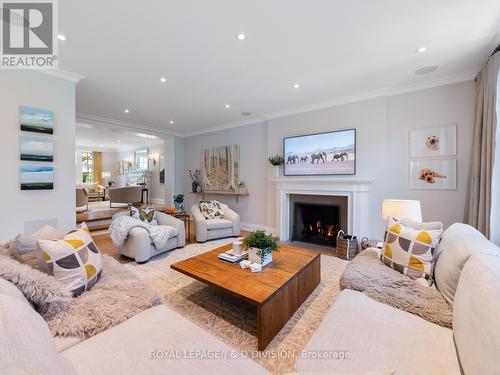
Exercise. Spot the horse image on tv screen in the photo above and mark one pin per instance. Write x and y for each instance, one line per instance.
(332, 153)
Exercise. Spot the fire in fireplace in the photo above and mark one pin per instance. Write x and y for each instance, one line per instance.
(317, 223)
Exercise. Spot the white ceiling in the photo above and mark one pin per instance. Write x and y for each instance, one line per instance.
(98, 138)
(332, 48)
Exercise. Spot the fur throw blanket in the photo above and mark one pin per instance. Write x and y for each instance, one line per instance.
(44, 292)
(121, 226)
(367, 274)
(116, 297)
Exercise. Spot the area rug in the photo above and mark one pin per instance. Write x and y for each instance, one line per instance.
(233, 321)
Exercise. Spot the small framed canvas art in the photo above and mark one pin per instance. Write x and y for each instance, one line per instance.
(433, 141)
(433, 174)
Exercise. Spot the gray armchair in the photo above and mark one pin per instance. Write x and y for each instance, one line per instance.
(138, 244)
(210, 229)
(82, 198)
(127, 194)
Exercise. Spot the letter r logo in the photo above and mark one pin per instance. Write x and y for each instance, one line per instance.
(27, 28)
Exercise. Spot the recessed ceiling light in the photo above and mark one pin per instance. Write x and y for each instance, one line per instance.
(126, 111)
(171, 122)
(227, 106)
(421, 49)
(61, 37)
(241, 36)
(426, 69)
(118, 141)
(163, 80)
(296, 86)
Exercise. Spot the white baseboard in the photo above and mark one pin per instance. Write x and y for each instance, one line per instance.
(157, 201)
(251, 227)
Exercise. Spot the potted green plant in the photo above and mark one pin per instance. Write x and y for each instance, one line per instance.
(179, 202)
(260, 247)
(276, 161)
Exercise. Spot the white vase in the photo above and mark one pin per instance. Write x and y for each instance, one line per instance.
(276, 172)
(254, 258)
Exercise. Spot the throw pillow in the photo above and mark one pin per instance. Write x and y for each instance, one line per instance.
(47, 294)
(75, 260)
(148, 215)
(24, 247)
(211, 210)
(410, 251)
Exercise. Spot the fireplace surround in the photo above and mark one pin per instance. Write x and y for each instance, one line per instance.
(356, 191)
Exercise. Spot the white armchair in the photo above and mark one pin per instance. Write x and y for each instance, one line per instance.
(210, 229)
(138, 244)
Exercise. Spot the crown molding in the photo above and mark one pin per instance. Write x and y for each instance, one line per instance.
(123, 125)
(62, 74)
(230, 125)
(448, 80)
(381, 93)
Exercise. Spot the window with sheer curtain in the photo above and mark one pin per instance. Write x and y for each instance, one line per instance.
(87, 162)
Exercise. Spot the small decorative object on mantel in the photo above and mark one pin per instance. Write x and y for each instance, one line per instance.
(194, 178)
(242, 189)
(276, 161)
(179, 202)
(260, 247)
(347, 246)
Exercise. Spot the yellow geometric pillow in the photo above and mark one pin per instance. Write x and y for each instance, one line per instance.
(75, 260)
(410, 251)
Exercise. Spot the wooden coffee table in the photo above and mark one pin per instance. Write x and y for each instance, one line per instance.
(277, 292)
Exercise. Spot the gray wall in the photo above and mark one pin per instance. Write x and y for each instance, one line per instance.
(29, 210)
(253, 164)
(382, 125)
(367, 117)
(441, 105)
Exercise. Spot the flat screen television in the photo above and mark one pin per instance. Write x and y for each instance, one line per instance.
(331, 153)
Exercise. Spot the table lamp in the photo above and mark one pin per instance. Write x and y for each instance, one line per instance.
(105, 176)
(401, 208)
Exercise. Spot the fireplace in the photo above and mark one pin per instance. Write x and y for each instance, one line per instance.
(317, 219)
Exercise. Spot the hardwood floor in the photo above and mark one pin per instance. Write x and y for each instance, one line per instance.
(89, 216)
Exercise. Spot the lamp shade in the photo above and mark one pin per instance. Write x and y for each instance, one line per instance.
(400, 208)
(106, 175)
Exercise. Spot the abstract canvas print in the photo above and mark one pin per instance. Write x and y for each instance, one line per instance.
(37, 148)
(37, 178)
(220, 169)
(36, 120)
(332, 153)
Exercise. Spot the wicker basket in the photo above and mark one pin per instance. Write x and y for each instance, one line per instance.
(346, 249)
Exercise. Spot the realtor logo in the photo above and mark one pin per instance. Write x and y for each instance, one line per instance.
(29, 34)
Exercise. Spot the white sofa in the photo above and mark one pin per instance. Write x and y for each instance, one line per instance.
(138, 244)
(210, 229)
(380, 338)
(143, 344)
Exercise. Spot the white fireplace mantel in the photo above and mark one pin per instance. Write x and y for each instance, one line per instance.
(356, 190)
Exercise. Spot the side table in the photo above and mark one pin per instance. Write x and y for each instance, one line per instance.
(186, 218)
